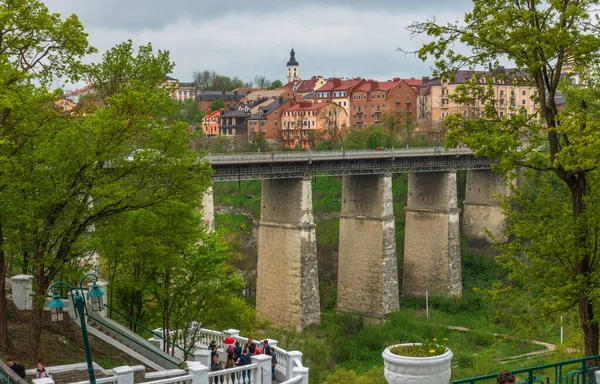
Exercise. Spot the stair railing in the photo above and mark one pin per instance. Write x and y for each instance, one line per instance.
(129, 319)
(154, 351)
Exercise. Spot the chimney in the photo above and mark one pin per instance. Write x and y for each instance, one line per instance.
(396, 79)
(280, 99)
(425, 79)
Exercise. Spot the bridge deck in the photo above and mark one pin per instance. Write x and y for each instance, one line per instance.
(247, 166)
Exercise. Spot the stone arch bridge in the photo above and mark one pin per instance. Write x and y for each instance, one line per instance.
(287, 282)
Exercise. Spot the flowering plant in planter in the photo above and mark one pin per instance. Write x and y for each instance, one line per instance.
(424, 349)
(417, 363)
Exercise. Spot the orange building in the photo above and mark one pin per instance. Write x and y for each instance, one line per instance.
(267, 119)
(210, 123)
(372, 100)
(301, 122)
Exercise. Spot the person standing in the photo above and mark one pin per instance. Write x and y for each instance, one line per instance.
(41, 371)
(245, 359)
(251, 346)
(17, 368)
(273, 362)
(266, 350)
(216, 366)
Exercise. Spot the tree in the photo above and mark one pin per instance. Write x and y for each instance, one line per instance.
(36, 47)
(276, 84)
(396, 123)
(261, 81)
(118, 154)
(212, 81)
(335, 132)
(216, 105)
(542, 38)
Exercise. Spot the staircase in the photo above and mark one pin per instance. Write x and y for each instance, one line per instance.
(129, 342)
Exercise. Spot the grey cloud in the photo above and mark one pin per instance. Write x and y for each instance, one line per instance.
(245, 39)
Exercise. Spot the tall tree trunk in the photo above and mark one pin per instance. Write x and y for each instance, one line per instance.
(40, 291)
(589, 325)
(5, 342)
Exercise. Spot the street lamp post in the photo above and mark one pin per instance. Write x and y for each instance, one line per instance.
(94, 296)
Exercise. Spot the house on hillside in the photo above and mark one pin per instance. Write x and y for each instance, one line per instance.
(304, 121)
(372, 100)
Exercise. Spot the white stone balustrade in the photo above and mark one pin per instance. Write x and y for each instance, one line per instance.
(21, 292)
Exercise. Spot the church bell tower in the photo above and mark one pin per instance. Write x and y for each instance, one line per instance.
(292, 67)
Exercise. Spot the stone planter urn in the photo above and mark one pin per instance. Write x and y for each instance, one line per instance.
(416, 370)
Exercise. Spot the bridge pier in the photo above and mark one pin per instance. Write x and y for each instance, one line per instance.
(208, 208)
(287, 287)
(367, 265)
(432, 236)
(481, 210)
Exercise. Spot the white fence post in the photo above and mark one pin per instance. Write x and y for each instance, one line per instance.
(124, 374)
(21, 292)
(198, 371)
(301, 371)
(263, 376)
(290, 363)
(202, 355)
(45, 380)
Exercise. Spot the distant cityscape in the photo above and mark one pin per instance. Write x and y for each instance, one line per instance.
(289, 115)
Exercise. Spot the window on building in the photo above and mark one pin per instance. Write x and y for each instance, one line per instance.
(383, 106)
(275, 123)
(344, 103)
(501, 114)
(313, 123)
(524, 93)
(408, 97)
(354, 116)
(372, 115)
(354, 107)
(523, 101)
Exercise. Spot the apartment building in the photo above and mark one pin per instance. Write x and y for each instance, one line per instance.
(338, 91)
(511, 92)
(301, 122)
(372, 100)
(265, 119)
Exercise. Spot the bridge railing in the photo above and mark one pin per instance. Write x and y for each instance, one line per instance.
(214, 158)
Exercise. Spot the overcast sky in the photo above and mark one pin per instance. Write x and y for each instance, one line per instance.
(245, 38)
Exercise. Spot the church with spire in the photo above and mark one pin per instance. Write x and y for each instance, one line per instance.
(292, 67)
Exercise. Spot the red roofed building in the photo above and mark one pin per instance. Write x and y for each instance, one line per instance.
(304, 87)
(339, 91)
(210, 122)
(301, 122)
(371, 100)
(77, 94)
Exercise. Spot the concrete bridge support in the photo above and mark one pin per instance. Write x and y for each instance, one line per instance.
(432, 236)
(287, 287)
(482, 210)
(208, 209)
(367, 265)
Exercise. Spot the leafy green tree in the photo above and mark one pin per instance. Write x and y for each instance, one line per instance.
(36, 46)
(276, 84)
(543, 38)
(119, 154)
(216, 105)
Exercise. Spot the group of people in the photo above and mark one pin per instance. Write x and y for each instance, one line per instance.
(19, 369)
(240, 356)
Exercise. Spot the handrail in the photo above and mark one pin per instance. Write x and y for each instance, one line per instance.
(531, 378)
(153, 351)
(147, 329)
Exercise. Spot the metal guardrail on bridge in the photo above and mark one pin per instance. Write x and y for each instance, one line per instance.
(277, 165)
